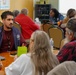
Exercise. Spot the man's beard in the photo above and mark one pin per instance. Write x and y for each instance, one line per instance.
(10, 26)
(66, 40)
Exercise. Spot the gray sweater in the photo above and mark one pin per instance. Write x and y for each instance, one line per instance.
(65, 68)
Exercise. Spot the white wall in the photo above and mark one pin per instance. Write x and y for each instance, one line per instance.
(54, 3)
(64, 5)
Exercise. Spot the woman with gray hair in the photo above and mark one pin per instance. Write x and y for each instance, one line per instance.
(39, 61)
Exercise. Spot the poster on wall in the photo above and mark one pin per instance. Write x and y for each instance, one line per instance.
(4, 4)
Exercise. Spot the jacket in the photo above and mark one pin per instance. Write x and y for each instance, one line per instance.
(28, 26)
(16, 35)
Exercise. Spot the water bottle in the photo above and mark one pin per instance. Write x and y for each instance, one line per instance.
(37, 21)
(52, 43)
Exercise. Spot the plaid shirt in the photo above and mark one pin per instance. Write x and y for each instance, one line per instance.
(68, 52)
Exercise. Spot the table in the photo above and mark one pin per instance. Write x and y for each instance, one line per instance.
(9, 59)
(55, 51)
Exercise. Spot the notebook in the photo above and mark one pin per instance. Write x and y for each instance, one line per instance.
(21, 50)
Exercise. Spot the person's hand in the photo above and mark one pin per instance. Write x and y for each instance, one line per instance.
(15, 57)
(23, 44)
(59, 22)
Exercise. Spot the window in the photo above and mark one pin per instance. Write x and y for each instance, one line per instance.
(64, 5)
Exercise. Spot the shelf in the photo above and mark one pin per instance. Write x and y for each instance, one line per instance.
(42, 11)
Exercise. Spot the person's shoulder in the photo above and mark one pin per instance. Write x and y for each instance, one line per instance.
(69, 62)
(15, 29)
(65, 20)
(70, 44)
(60, 14)
(26, 56)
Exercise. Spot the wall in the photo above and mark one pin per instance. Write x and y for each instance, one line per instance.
(54, 3)
(42, 1)
(19, 4)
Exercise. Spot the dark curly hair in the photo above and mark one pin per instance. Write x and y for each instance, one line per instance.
(55, 12)
(5, 13)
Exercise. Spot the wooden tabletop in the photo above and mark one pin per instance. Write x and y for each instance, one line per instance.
(9, 59)
(55, 51)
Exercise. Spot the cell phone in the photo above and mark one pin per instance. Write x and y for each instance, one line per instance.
(2, 58)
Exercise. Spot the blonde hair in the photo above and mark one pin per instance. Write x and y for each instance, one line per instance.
(42, 56)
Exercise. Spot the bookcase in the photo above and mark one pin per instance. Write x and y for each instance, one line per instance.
(42, 12)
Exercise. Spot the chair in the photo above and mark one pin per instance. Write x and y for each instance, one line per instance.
(57, 34)
(1, 23)
(46, 27)
(65, 68)
(17, 25)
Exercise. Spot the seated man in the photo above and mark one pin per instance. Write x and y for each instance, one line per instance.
(28, 26)
(68, 51)
(10, 37)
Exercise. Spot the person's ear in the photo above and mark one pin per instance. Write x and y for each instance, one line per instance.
(71, 35)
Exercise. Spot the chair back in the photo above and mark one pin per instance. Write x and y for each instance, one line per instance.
(46, 27)
(17, 25)
(1, 23)
(57, 34)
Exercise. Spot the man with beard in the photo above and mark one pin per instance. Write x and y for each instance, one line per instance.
(68, 51)
(10, 37)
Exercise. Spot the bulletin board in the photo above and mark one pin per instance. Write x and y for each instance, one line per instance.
(4, 4)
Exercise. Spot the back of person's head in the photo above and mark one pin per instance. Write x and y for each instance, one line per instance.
(55, 12)
(24, 11)
(71, 13)
(5, 14)
(42, 56)
(16, 12)
(71, 24)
